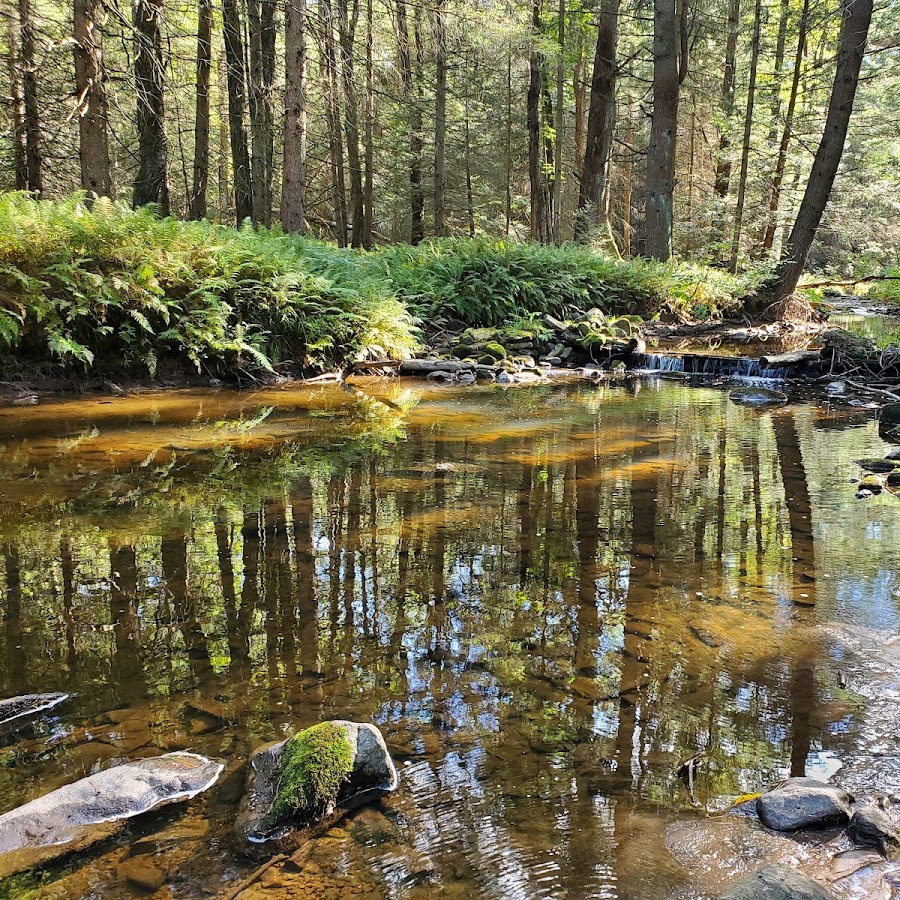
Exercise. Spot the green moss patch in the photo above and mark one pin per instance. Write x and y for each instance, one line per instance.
(316, 763)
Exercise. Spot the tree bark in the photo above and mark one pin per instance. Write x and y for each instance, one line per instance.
(261, 22)
(781, 161)
(197, 206)
(857, 15)
(745, 148)
(660, 184)
(627, 177)
(601, 125)
(347, 21)
(539, 223)
(333, 115)
(723, 166)
(440, 117)
(559, 123)
(30, 101)
(17, 109)
(369, 152)
(237, 100)
(580, 96)
(408, 75)
(90, 88)
(152, 182)
(293, 186)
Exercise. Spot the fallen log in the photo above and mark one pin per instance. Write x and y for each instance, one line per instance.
(426, 366)
(794, 358)
(368, 365)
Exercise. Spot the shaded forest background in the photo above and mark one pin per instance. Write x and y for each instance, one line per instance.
(371, 121)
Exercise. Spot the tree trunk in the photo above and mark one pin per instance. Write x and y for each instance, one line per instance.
(560, 120)
(197, 206)
(745, 149)
(508, 179)
(369, 154)
(580, 95)
(470, 204)
(261, 29)
(293, 186)
(723, 167)
(31, 103)
(627, 176)
(857, 14)
(539, 229)
(408, 77)
(17, 96)
(237, 100)
(440, 116)
(222, 165)
(347, 26)
(90, 88)
(333, 115)
(152, 182)
(601, 125)
(660, 184)
(781, 161)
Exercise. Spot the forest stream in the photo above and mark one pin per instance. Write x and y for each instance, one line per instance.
(547, 598)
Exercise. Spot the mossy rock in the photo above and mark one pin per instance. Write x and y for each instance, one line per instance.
(878, 465)
(871, 483)
(315, 765)
(893, 478)
(497, 351)
(477, 336)
(312, 777)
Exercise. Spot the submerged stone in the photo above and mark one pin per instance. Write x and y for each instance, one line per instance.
(776, 882)
(803, 803)
(367, 772)
(80, 814)
(757, 396)
(890, 415)
(878, 465)
(16, 712)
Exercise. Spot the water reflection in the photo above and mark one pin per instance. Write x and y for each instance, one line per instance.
(546, 598)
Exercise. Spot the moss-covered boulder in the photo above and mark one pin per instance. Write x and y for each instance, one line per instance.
(312, 777)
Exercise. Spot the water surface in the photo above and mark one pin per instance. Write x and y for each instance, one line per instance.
(547, 598)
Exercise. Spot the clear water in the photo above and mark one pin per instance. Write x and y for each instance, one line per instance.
(546, 597)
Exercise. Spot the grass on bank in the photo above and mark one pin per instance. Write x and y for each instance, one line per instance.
(111, 289)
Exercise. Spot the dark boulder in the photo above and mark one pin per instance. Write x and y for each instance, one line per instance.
(871, 826)
(757, 396)
(776, 883)
(804, 803)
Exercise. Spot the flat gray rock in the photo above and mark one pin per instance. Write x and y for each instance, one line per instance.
(776, 882)
(80, 814)
(804, 803)
(16, 712)
(871, 826)
(373, 776)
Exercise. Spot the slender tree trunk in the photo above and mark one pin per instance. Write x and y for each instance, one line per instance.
(90, 88)
(152, 182)
(660, 184)
(628, 183)
(781, 161)
(549, 141)
(579, 77)
(408, 76)
(369, 153)
(222, 173)
(31, 103)
(347, 22)
(17, 109)
(470, 204)
(440, 116)
(723, 166)
(508, 181)
(559, 123)
(539, 223)
(857, 15)
(237, 101)
(601, 125)
(333, 115)
(745, 148)
(197, 206)
(262, 29)
(293, 185)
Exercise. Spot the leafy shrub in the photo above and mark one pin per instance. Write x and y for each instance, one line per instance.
(888, 291)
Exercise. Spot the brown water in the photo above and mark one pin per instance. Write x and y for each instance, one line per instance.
(547, 598)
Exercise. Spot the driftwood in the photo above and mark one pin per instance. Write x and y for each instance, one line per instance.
(795, 358)
(864, 280)
(426, 366)
(370, 364)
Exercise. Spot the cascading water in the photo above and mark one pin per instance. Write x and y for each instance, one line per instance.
(700, 364)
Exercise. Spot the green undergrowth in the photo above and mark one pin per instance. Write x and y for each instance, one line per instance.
(316, 763)
(109, 289)
(887, 291)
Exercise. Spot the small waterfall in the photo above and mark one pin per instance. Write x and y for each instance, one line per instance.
(701, 364)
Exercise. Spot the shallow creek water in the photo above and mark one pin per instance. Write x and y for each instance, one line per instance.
(546, 597)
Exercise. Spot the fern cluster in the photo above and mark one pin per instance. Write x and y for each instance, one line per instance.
(119, 289)
(108, 288)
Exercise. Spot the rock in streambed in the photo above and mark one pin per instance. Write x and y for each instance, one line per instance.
(804, 803)
(310, 777)
(774, 882)
(16, 712)
(94, 808)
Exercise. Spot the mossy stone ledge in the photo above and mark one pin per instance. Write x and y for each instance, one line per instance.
(312, 778)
